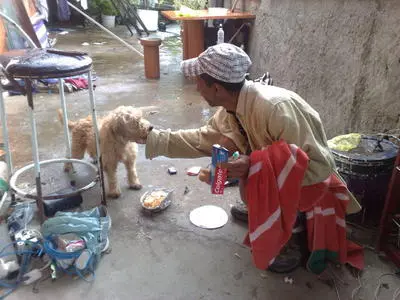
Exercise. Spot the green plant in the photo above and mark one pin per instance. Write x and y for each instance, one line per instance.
(107, 8)
(104, 7)
(193, 4)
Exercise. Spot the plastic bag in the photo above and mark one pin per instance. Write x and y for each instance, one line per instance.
(345, 142)
(20, 217)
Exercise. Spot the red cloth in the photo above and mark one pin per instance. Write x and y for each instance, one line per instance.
(274, 196)
(79, 83)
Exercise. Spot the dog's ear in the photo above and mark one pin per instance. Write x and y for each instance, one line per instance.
(123, 118)
(117, 123)
(120, 120)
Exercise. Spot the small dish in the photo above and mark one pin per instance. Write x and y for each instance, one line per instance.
(156, 204)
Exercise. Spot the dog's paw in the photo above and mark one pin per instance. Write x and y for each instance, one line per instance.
(114, 195)
(136, 186)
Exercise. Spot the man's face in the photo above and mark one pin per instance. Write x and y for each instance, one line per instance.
(207, 92)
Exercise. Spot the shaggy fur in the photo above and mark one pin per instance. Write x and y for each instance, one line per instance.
(118, 132)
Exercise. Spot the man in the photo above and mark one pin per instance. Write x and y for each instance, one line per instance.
(251, 116)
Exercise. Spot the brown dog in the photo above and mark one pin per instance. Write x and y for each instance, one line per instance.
(118, 131)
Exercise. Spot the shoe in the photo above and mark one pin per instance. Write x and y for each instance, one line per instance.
(289, 259)
(240, 212)
(295, 252)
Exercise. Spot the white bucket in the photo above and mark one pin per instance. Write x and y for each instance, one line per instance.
(108, 21)
(149, 18)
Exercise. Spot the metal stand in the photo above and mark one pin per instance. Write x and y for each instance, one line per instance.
(65, 64)
(65, 117)
(6, 142)
(35, 149)
(97, 137)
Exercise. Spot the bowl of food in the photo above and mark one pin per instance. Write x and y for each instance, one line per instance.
(156, 200)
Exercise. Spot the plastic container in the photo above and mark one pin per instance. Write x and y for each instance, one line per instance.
(164, 203)
(108, 21)
(220, 35)
(149, 18)
(367, 170)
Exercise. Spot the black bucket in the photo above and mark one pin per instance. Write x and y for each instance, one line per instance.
(367, 170)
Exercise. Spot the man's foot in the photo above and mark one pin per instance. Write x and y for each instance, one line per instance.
(295, 252)
(239, 212)
(288, 260)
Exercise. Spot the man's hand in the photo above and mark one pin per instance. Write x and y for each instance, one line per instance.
(204, 175)
(143, 139)
(238, 168)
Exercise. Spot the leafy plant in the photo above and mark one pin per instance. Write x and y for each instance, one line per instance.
(193, 4)
(107, 8)
(104, 7)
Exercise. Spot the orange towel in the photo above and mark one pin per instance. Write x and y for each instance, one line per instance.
(275, 195)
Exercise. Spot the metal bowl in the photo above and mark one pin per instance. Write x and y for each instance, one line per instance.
(164, 203)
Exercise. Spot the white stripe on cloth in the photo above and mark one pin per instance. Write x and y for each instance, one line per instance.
(255, 168)
(326, 212)
(341, 222)
(281, 180)
(288, 166)
(342, 196)
(265, 226)
(318, 211)
(271, 261)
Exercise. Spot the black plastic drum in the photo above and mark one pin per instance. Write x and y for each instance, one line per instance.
(367, 170)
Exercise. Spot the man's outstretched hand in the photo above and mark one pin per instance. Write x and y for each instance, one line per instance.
(143, 138)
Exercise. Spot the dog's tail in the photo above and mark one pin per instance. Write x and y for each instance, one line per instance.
(71, 124)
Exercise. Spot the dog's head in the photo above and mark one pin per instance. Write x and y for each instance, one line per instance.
(128, 122)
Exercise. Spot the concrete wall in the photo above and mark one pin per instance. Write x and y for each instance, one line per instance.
(342, 56)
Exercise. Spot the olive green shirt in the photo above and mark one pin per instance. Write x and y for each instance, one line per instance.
(267, 114)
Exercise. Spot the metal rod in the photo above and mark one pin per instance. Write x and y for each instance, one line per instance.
(106, 30)
(6, 141)
(35, 148)
(234, 5)
(127, 12)
(133, 11)
(19, 29)
(237, 32)
(65, 116)
(3, 199)
(6, 137)
(123, 17)
(97, 137)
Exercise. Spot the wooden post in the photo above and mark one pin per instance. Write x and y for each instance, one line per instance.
(151, 57)
(194, 38)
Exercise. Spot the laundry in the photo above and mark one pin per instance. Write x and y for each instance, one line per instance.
(280, 170)
(64, 13)
(79, 83)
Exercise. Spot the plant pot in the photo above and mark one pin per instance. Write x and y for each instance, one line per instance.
(108, 21)
(149, 18)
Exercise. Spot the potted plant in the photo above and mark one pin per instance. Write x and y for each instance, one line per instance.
(193, 4)
(108, 13)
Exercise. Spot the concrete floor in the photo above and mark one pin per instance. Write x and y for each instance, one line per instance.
(162, 256)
